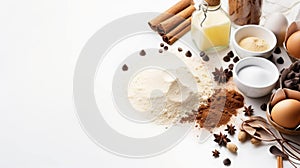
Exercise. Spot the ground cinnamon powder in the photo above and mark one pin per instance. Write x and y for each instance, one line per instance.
(221, 106)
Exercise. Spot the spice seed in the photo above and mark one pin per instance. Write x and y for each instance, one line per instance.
(142, 53)
(280, 60)
(227, 162)
(160, 50)
(230, 66)
(125, 67)
(166, 48)
(162, 45)
(179, 49)
(188, 54)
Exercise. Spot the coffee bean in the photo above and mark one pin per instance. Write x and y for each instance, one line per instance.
(202, 53)
(280, 60)
(125, 67)
(142, 53)
(230, 54)
(277, 50)
(263, 107)
(205, 58)
(227, 162)
(226, 59)
(236, 59)
(188, 54)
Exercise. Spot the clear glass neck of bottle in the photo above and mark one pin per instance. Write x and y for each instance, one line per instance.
(205, 8)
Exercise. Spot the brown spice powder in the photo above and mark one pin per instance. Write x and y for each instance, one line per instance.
(221, 106)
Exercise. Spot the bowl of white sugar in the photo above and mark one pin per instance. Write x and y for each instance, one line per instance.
(255, 76)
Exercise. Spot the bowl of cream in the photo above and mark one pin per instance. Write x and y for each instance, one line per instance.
(255, 77)
(253, 41)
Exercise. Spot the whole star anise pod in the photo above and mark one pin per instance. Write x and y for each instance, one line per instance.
(220, 75)
(216, 153)
(221, 139)
(230, 129)
(248, 110)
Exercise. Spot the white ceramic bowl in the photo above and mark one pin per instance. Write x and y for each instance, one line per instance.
(253, 31)
(255, 76)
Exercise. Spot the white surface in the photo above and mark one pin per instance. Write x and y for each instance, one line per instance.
(40, 42)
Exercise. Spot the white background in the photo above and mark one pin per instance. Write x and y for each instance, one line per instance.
(40, 41)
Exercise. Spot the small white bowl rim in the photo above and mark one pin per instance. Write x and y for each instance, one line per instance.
(271, 47)
(274, 68)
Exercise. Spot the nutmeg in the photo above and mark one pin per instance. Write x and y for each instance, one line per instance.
(242, 136)
(255, 141)
(231, 147)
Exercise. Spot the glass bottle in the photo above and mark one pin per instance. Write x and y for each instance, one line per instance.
(210, 26)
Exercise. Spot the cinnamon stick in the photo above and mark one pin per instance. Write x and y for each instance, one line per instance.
(176, 31)
(167, 25)
(173, 39)
(181, 5)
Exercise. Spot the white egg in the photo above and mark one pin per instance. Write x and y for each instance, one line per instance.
(277, 23)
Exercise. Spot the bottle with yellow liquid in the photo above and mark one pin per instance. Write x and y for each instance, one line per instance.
(210, 26)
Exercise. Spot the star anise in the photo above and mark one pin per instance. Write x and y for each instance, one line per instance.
(230, 129)
(220, 75)
(221, 139)
(216, 153)
(248, 110)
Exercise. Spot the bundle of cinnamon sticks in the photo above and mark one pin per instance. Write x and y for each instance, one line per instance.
(174, 22)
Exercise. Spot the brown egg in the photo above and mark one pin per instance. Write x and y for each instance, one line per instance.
(293, 44)
(286, 113)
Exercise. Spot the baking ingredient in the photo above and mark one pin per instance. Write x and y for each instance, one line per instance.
(236, 59)
(230, 129)
(242, 137)
(205, 58)
(248, 110)
(210, 28)
(221, 139)
(293, 44)
(291, 77)
(142, 53)
(255, 75)
(277, 50)
(286, 113)
(230, 54)
(124, 67)
(188, 54)
(263, 107)
(277, 23)
(167, 97)
(280, 60)
(242, 12)
(226, 58)
(231, 147)
(222, 105)
(216, 153)
(255, 141)
(254, 44)
(227, 162)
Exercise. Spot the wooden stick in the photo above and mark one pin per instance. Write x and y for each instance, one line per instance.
(177, 30)
(167, 25)
(181, 5)
(173, 39)
(279, 162)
